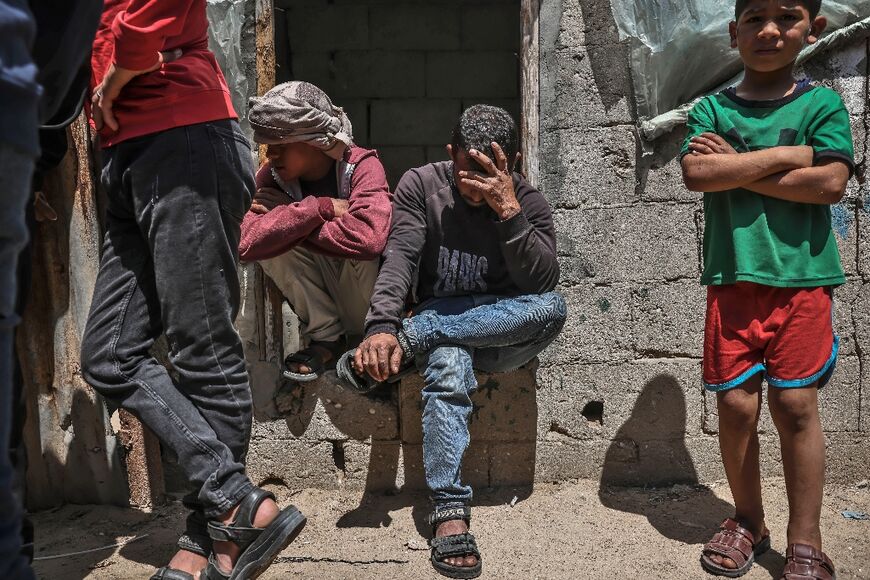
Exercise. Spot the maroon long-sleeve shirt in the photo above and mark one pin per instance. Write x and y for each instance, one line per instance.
(360, 234)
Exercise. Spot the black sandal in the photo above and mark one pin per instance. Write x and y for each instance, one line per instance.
(313, 360)
(194, 539)
(365, 383)
(259, 546)
(455, 546)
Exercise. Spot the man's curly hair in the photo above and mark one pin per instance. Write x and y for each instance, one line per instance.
(480, 125)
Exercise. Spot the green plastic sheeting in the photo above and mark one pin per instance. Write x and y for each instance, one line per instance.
(680, 51)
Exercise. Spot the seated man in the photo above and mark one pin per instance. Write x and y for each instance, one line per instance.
(319, 220)
(480, 243)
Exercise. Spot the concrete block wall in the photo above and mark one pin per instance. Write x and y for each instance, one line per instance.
(403, 70)
(630, 244)
(618, 396)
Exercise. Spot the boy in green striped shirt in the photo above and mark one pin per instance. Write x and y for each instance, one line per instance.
(771, 155)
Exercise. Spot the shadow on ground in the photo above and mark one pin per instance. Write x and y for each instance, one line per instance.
(649, 451)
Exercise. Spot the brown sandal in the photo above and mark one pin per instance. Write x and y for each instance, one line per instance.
(735, 542)
(803, 562)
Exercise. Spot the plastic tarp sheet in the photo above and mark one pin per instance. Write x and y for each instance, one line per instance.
(225, 18)
(680, 51)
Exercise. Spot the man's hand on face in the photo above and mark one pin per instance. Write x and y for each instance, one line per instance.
(268, 198)
(379, 355)
(495, 183)
(116, 79)
(339, 206)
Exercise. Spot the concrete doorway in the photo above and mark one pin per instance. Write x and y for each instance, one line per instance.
(403, 70)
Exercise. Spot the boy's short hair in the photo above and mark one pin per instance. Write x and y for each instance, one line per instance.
(813, 6)
(480, 125)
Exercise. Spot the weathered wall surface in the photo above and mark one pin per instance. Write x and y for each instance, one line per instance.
(618, 396)
(403, 69)
(630, 238)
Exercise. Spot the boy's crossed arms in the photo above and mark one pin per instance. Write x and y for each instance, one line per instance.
(784, 172)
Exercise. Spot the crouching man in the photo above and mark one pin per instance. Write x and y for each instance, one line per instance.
(480, 244)
(318, 222)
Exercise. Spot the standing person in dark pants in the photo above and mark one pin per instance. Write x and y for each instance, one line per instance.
(19, 96)
(179, 177)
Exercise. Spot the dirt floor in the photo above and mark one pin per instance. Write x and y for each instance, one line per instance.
(571, 530)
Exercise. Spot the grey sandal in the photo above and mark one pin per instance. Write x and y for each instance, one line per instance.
(259, 546)
(455, 546)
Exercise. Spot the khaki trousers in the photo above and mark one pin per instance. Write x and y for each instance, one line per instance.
(329, 295)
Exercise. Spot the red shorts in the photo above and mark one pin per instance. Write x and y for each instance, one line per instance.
(785, 333)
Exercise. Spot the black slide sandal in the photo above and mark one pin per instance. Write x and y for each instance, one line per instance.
(259, 546)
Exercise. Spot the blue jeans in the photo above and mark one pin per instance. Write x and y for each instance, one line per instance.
(15, 172)
(453, 336)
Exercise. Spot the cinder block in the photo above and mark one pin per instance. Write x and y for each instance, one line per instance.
(640, 400)
(472, 74)
(435, 153)
(398, 160)
(655, 462)
(316, 68)
(847, 458)
(846, 300)
(327, 28)
(668, 319)
(512, 464)
(325, 409)
(648, 242)
(491, 26)
(372, 467)
(474, 470)
(504, 408)
(844, 223)
(565, 459)
(295, 463)
(512, 106)
(282, 47)
(839, 402)
(598, 327)
(573, 24)
(845, 71)
(590, 168)
(413, 121)
(415, 27)
(357, 111)
(661, 174)
(586, 87)
(380, 74)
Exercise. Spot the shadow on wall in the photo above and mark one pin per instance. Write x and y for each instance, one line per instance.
(501, 454)
(608, 57)
(649, 450)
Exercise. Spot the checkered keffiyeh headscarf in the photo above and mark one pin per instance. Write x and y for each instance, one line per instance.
(297, 112)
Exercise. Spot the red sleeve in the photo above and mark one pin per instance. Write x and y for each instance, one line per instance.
(141, 30)
(361, 233)
(271, 234)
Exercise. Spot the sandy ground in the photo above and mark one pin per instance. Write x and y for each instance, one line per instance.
(571, 530)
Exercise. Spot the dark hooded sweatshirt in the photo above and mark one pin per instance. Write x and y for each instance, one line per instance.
(452, 248)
